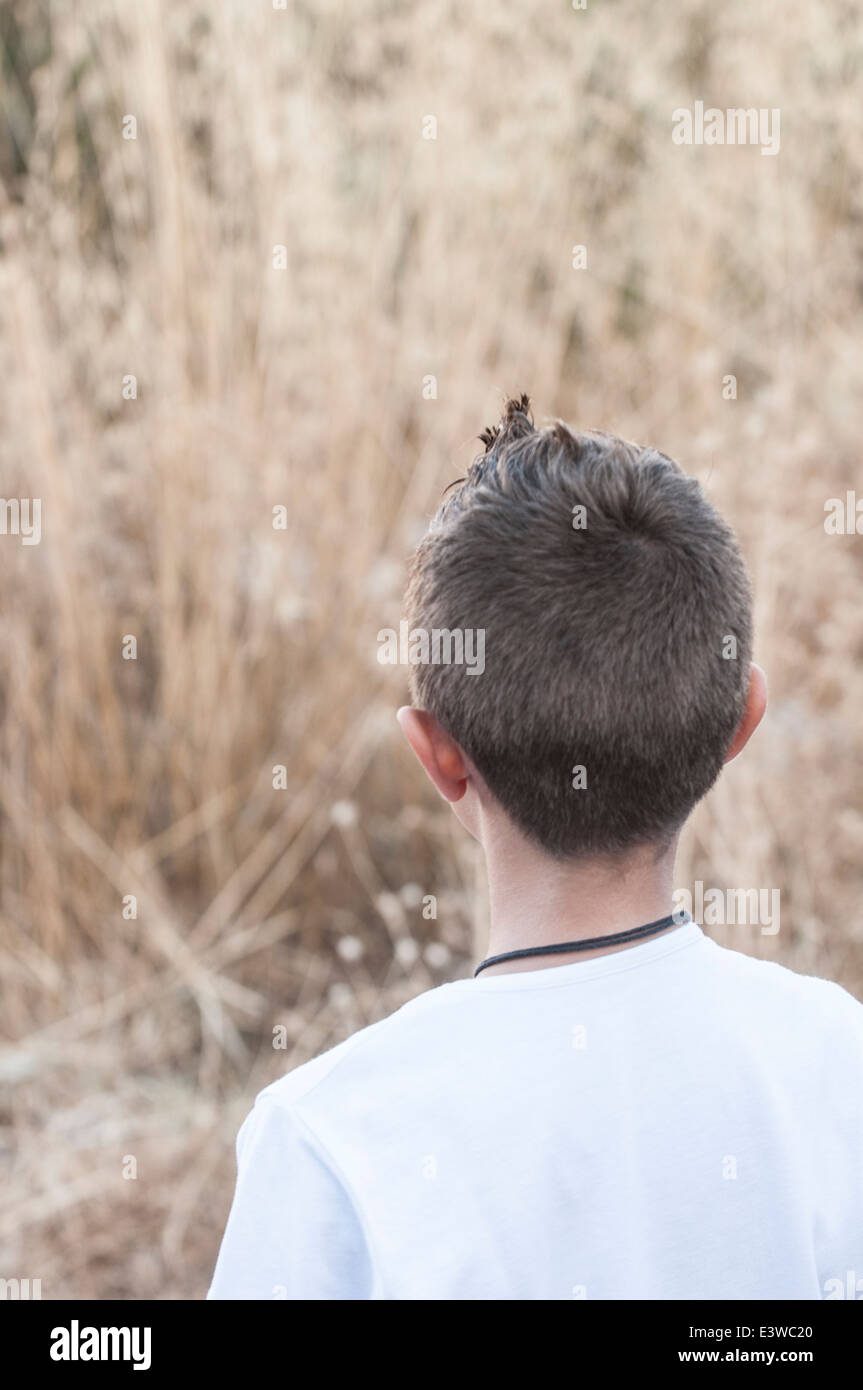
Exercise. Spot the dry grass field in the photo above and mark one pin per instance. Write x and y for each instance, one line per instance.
(307, 387)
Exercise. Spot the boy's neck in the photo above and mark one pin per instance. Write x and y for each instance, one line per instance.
(535, 900)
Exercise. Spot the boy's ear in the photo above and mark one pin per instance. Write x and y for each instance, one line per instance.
(439, 754)
(756, 704)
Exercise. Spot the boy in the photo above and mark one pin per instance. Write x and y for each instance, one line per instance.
(614, 1106)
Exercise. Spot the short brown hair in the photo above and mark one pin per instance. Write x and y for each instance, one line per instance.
(620, 646)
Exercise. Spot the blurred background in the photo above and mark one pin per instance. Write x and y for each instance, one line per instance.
(305, 276)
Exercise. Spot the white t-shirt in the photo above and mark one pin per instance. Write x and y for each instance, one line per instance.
(675, 1120)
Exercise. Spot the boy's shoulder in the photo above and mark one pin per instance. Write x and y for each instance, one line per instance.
(362, 1046)
(774, 995)
(773, 978)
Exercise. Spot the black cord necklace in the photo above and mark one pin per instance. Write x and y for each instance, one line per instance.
(674, 919)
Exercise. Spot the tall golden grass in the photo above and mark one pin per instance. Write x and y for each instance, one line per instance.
(406, 258)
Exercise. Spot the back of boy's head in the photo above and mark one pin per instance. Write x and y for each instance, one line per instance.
(617, 637)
